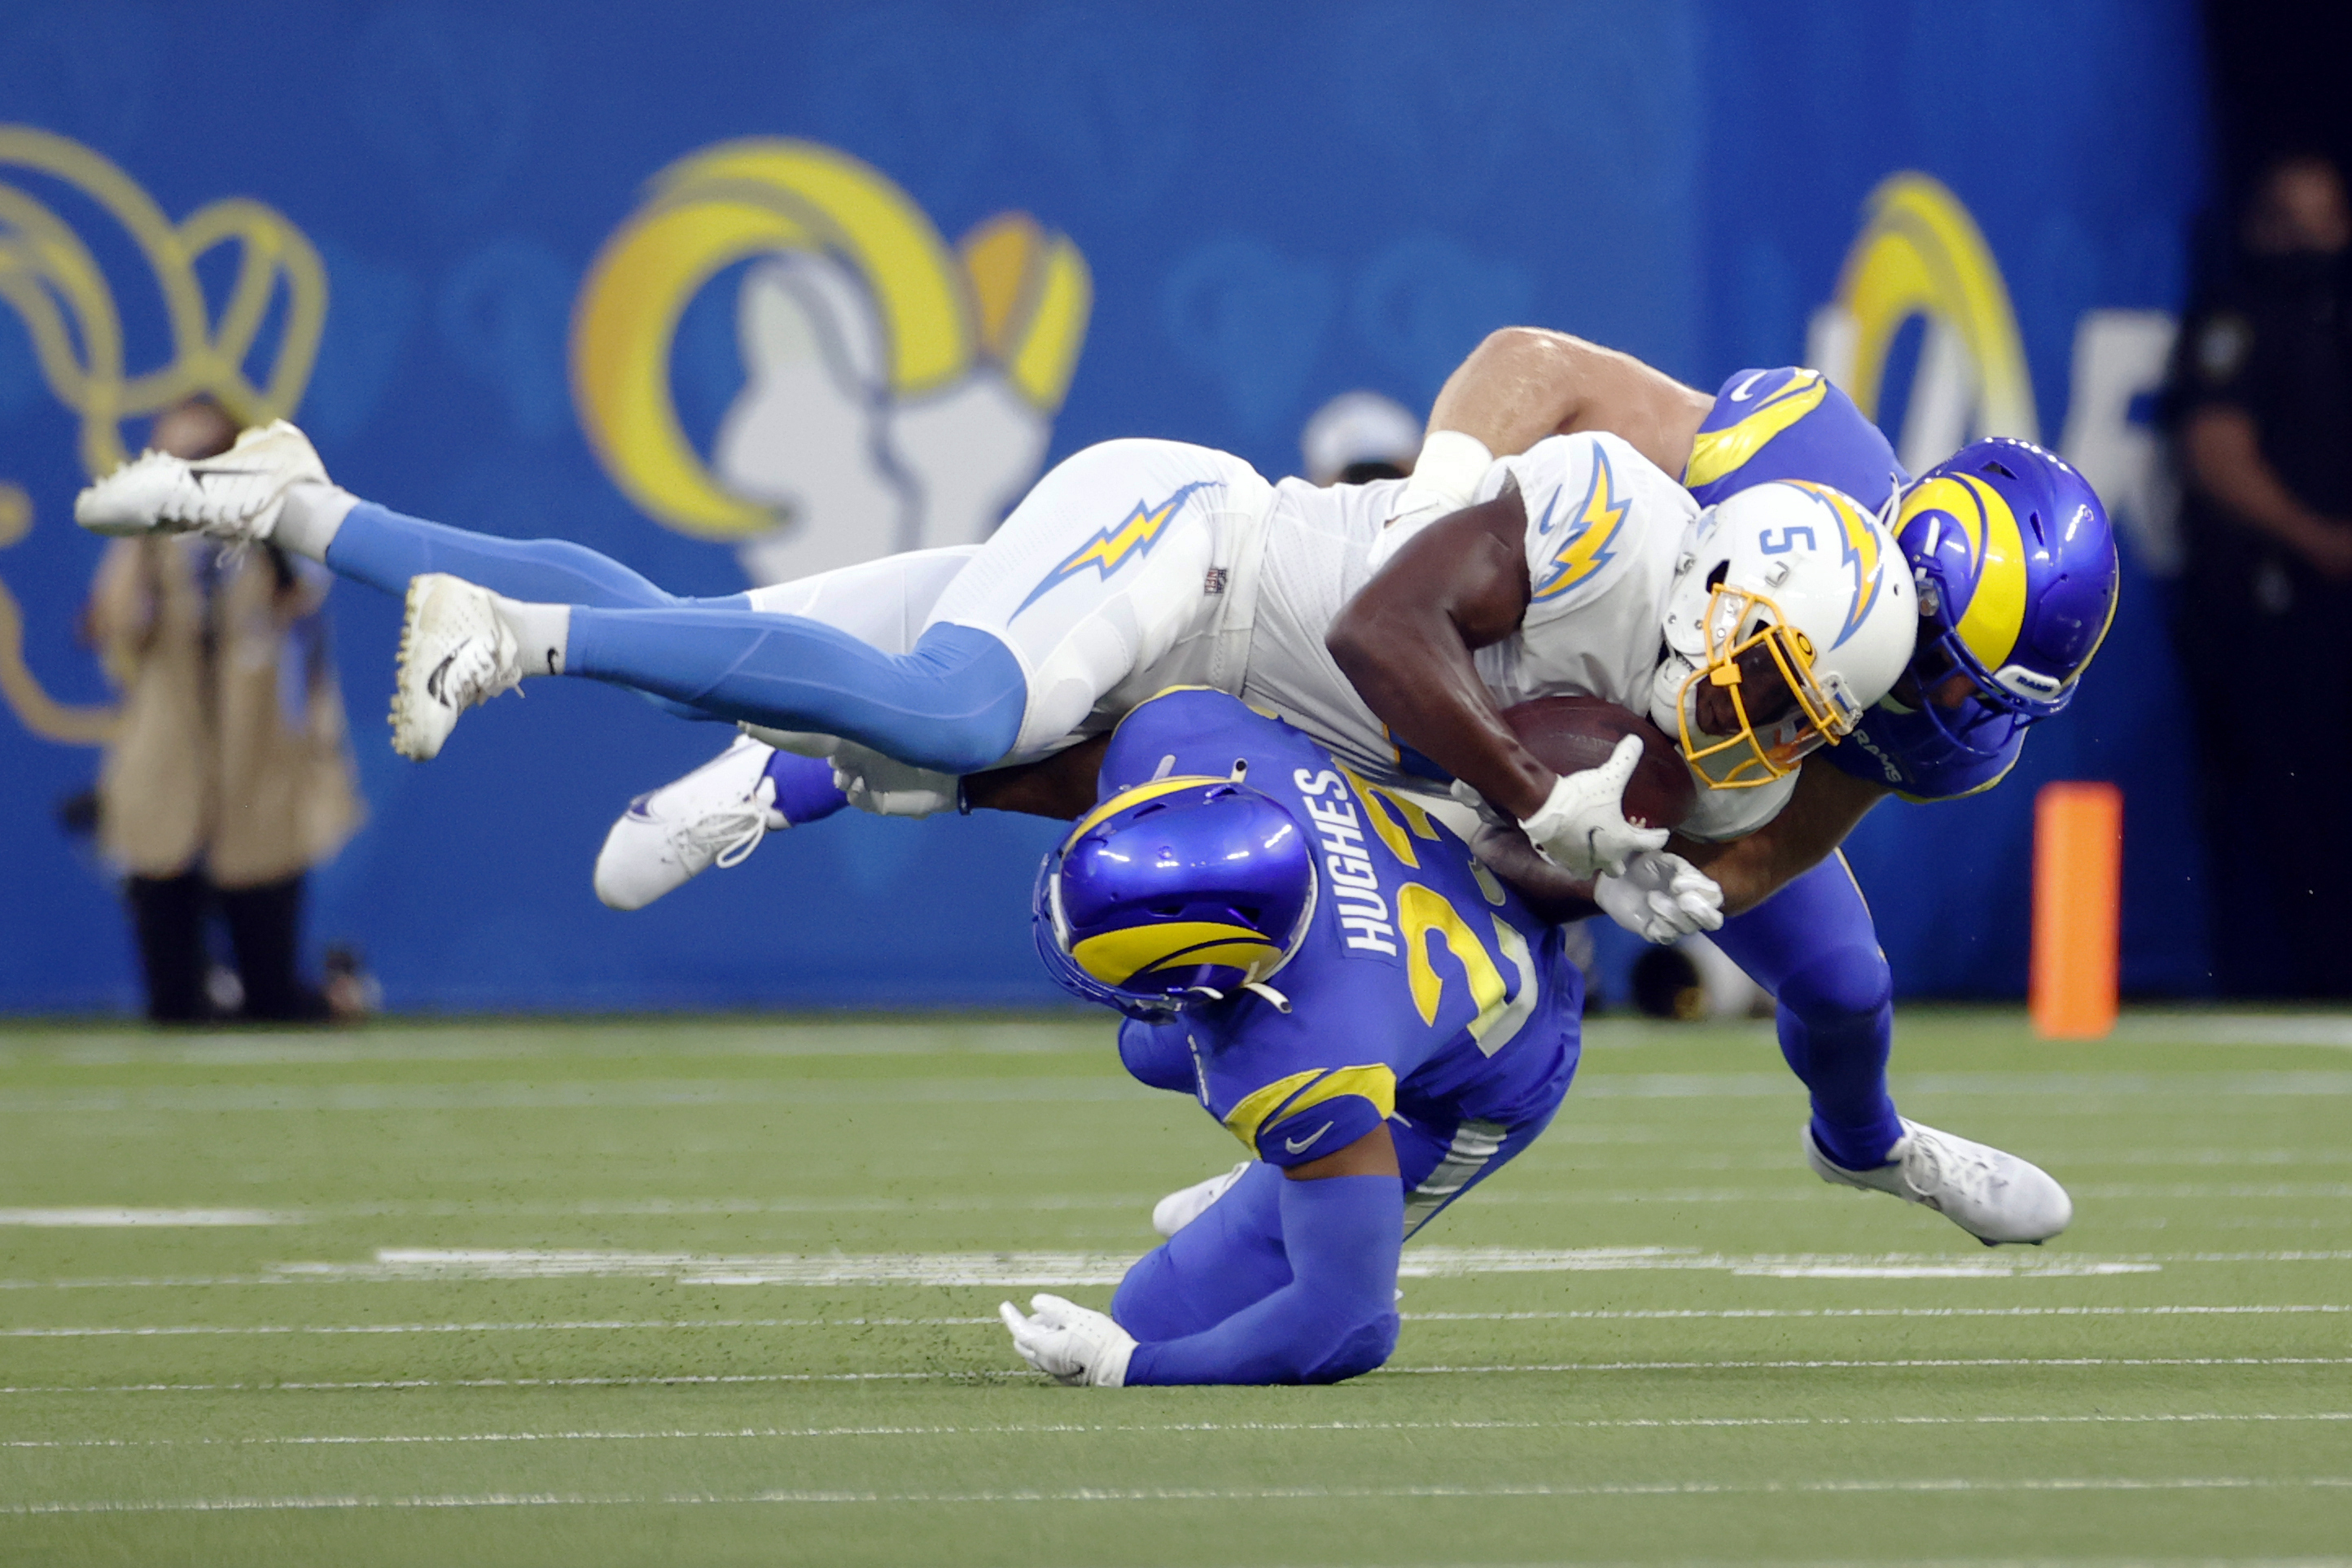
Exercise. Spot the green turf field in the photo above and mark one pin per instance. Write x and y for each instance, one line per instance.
(704, 1291)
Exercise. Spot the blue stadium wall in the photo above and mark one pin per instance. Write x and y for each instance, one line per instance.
(1273, 204)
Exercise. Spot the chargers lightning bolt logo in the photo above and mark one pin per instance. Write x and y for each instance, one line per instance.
(1113, 548)
(1586, 550)
(1859, 545)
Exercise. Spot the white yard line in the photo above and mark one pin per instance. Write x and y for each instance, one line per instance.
(625, 1094)
(1661, 1314)
(115, 1219)
(438, 1265)
(1050, 1428)
(991, 1374)
(1955, 1484)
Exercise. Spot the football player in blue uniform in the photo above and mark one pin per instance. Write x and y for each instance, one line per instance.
(2016, 567)
(1378, 1020)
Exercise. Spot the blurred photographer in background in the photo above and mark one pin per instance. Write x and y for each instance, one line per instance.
(230, 773)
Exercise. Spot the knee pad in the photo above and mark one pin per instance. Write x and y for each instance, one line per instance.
(1844, 983)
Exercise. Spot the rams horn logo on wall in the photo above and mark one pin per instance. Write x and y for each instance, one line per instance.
(1920, 254)
(897, 394)
(50, 277)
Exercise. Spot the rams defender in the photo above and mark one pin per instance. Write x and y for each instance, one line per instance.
(1379, 1021)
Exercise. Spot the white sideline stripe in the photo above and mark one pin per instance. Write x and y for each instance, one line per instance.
(1659, 1314)
(1023, 1269)
(1420, 1262)
(558, 1326)
(588, 1095)
(994, 1374)
(108, 1220)
(1090, 1428)
(641, 1094)
(1922, 1361)
(2333, 1029)
(1057, 1038)
(1189, 1494)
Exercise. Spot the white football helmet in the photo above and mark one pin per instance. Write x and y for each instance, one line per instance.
(1794, 604)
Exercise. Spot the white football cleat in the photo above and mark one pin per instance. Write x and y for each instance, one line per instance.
(1178, 1209)
(235, 496)
(455, 652)
(1993, 1196)
(715, 815)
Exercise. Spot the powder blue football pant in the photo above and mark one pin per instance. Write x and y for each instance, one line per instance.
(1813, 947)
(954, 703)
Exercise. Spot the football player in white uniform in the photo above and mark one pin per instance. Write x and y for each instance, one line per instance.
(1133, 566)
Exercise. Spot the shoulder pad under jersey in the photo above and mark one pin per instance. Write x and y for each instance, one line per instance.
(1789, 423)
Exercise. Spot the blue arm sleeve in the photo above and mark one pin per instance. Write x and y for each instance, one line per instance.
(1336, 1318)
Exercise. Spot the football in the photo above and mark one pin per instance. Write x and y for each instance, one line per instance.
(1568, 735)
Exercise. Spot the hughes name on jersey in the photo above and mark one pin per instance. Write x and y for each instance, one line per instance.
(1792, 424)
(1425, 990)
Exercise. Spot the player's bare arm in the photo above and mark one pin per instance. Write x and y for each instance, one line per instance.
(1373, 1154)
(1823, 811)
(1406, 638)
(1523, 383)
(1060, 787)
(2225, 461)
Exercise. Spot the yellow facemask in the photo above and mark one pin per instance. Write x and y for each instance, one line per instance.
(1748, 757)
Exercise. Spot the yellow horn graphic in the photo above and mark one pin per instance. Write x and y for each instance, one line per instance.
(48, 277)
(1017, 295)
(1920, 252)
(1034, 293)
(705, 213)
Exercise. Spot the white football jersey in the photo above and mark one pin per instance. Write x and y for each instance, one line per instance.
(1604, 529)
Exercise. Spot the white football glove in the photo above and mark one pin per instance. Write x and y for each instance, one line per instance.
(1661, 897)
(888, 787)
(1582, 827)
(1070, 1344)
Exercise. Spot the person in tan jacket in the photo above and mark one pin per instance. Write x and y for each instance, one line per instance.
(229, 774)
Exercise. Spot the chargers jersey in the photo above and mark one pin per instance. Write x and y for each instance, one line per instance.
(1604, 529)
(1425, 990)
(1792, 424)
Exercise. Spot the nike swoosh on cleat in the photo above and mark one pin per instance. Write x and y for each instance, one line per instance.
(433, 682)
(1301, 1145)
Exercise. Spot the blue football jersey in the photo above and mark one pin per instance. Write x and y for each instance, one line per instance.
(1424, 988)
(1792, 424)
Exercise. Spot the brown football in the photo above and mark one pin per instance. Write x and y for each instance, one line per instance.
(1568, 735)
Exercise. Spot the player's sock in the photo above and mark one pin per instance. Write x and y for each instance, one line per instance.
(378, 546)
(311, 516)
(955, 703)
(805, 792)
(540, 633)
(1837, 1028)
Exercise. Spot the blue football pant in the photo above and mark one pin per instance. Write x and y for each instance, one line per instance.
(1813, 947)
(1232, 1256)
